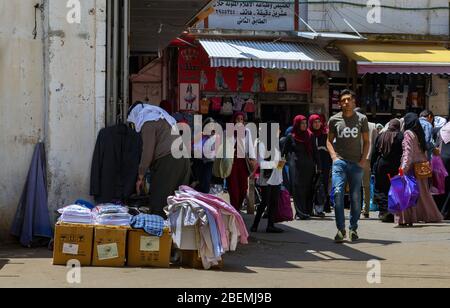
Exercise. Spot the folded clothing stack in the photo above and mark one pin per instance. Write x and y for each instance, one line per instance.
(76, 214)
(152, 224)
(112, 215)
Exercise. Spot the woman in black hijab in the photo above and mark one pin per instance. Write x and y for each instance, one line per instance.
(386, 160)
(412, 123)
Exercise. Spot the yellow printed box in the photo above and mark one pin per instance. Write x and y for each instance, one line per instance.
(109, 246)
(73, 242)
(145, 250)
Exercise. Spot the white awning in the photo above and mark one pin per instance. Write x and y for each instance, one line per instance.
(330, 36)
(268, 55)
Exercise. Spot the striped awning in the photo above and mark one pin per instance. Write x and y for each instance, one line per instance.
(268, 55)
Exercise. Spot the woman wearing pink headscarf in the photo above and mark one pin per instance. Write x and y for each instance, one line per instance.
(300, 150)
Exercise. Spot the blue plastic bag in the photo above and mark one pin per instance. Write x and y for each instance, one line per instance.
(373, 206)
(403, 195)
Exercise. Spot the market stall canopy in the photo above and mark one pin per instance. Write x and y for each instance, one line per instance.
(330, 36)
(398, 58)
(154, 23)
(268, 55)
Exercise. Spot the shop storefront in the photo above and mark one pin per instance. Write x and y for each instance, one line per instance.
(266, 80)
(392, 79)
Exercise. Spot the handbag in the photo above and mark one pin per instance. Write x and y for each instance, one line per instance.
(227, 109)
(284, 211)
(423, 170)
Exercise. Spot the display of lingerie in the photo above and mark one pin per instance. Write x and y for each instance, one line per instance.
(223, 107)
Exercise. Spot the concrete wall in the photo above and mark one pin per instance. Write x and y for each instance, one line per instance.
(329, 17)
(76, 97)
(21, 108)
(51, 88)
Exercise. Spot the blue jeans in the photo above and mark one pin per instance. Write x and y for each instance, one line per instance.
(347, 172)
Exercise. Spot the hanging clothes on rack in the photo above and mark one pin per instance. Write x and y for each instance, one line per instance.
(115, 164)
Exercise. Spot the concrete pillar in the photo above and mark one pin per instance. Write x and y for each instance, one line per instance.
(75, 86)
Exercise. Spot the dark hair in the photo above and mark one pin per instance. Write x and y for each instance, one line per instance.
(426, 114)
(347, 92)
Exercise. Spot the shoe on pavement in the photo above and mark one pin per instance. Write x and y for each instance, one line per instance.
(353, 236)
(366, 215)
(340, 237)
(320, 215)
(387, 218)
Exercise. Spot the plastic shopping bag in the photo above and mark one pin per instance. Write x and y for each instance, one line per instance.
(373, 205)
(404, 194)
(439, 175)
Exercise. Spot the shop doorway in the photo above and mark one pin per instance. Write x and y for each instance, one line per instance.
(283, 114)
(138, 31)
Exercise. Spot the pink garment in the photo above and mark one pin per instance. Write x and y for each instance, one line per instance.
(426, 209)
(250, 106)
(180, 197)
(445, 133)
(221, 204)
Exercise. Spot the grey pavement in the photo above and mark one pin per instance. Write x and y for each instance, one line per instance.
(304, 256)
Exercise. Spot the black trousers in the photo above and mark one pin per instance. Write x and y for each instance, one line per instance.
(203, 174)
(270, 197)
(168, 174)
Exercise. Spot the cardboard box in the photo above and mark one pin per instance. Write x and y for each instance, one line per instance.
(109, 246)
(192, 259)
(145, 250)
(73, 242)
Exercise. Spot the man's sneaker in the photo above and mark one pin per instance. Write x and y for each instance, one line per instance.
(340, 237)
(353, 236)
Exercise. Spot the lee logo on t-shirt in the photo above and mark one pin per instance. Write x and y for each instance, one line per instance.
(348, 132)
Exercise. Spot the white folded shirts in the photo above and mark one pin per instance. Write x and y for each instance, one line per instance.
(76, 214)
(111, 215)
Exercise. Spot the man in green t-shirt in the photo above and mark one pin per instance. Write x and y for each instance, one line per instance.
(349, 155)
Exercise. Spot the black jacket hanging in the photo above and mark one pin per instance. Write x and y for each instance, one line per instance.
(115, 164)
